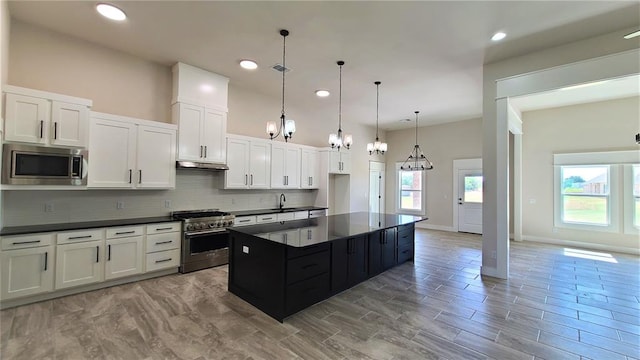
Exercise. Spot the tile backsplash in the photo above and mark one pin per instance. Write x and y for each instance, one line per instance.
(195, 189)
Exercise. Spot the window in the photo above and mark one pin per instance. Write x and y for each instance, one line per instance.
(473, 188)
(636, 195)
(411, 194)
(585, 195)
(632, 198)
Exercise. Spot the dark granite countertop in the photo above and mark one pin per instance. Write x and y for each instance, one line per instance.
(305, 232)
(275, 211)
(19, 230)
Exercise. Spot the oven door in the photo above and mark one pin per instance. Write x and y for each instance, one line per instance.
(204, 249)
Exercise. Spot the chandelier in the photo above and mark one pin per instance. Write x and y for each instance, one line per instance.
(377, 146)
(416, 160)
(287, 127)
(339, 140)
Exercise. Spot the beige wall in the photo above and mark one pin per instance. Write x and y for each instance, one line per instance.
(441, 144)
(122, 84)
(5, 24)
(116, 82)
(601, 126)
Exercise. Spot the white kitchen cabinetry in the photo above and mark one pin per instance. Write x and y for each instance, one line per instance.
(301, 215)
(285, 166)
(38, 117)
(131, 153)
(26, 265)
(249, 164)
(201, 133)
(309, 169)
(266, 218)
(79, 258)
(162, 246)
(244, 220)
(287, 216)
(339, 162)
(124, 252)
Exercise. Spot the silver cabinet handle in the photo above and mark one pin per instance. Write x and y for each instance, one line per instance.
(125, 232)
(164, 242)
(284, 180)
(245, 220)
(269, 218)
(251, 179)
(163, 260)
(164, 228)
(80, 237)
(25, 242)
(130, 174)
(55, 130)
(200, 150)
(245, 179)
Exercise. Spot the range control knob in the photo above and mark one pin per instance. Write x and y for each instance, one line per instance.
(189, 227)
(212, 225)
(198, 226)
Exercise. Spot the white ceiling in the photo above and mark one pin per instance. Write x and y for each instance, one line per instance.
(428, 54)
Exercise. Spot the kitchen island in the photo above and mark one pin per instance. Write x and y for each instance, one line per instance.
(282, 268)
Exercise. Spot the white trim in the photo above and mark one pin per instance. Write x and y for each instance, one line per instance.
(514, 119)
(586, 245)
(601, 68)
(517, 187)
(423, 225)
(598, 158)
(628, 201)
(461, 164)
(47, 95)
(396, 190)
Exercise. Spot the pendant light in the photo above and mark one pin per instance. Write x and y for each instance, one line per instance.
(377, 146)
(338, 140)
(416, 160)
(287, 127)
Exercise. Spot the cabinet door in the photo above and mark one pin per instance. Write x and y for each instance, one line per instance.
(345, 159)
(69, 124)
(339, 265)
(112, 149)
(335, 165)
(260, 165)
(27, 119)
(389, 246)
(292, 167)
(375, 253)
(26, 271)
(309, 169)
(237, 177)
(357, 259)
(79, 264)
(278, 161)
(124, 257)
(190, 117)
(214, 132)
(156, 158)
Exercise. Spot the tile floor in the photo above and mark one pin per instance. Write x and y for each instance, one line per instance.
(557, 304)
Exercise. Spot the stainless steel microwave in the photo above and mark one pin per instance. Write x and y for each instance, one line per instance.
(38, 165)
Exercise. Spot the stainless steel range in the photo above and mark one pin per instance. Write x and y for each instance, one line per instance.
(205, 239)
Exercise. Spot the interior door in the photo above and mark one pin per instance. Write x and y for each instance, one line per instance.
(470, 201)
(376, 187)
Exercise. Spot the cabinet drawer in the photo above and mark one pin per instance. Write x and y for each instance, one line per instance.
(244, 220)
(317, 213)
(301, 215)
(80, 236)
(268, 218)
(26, 241)
(405, 238)
(308, 266)
(407, 227)
(307, 292)
(124, 231)
(163, 260)
(164, 228)
(405, 253)
(293, 252)
(162, 242)
(285, 216)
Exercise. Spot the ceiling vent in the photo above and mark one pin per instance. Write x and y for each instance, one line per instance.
(280, 68)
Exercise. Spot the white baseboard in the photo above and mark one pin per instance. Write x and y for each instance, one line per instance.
(423, 225)
(581, 244)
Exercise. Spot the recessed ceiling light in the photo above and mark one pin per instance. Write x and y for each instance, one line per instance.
(322, 93)
(248, 64)
(498, 36)
(111, 12)
(632, 35)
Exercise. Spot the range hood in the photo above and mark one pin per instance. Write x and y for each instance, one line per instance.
(200, 165)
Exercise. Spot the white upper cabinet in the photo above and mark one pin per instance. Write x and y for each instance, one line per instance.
(285, 166)
(309, 169)
(200, 111)
(131, 153)
(201, 133)
(249, 164)
(339, 162)
(38, 117)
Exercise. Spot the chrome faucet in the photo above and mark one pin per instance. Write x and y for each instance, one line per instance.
(282, 199)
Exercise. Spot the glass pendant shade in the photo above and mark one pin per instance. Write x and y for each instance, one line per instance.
(289, 127)
(272, 128)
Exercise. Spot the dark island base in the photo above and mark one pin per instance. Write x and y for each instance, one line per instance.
(281, 280)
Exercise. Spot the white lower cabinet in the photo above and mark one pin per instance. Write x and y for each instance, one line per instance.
(162, 246)
(124, 252)
(79, 263)
(26, 265)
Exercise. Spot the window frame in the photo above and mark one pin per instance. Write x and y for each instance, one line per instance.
(398, 192)
(629, 200)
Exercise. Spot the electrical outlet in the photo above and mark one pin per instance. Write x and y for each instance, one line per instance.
(494, 255)
(119, 205)
(48, 207)
(167, 204)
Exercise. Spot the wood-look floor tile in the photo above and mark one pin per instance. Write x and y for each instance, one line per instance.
(578, 347)
(512, 340)
(470, 326)
(627, 349)
(309, 348)
(582, 325)
(489, 347)
(445, 348)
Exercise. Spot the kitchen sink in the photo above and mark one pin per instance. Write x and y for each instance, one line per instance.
(283, 209)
